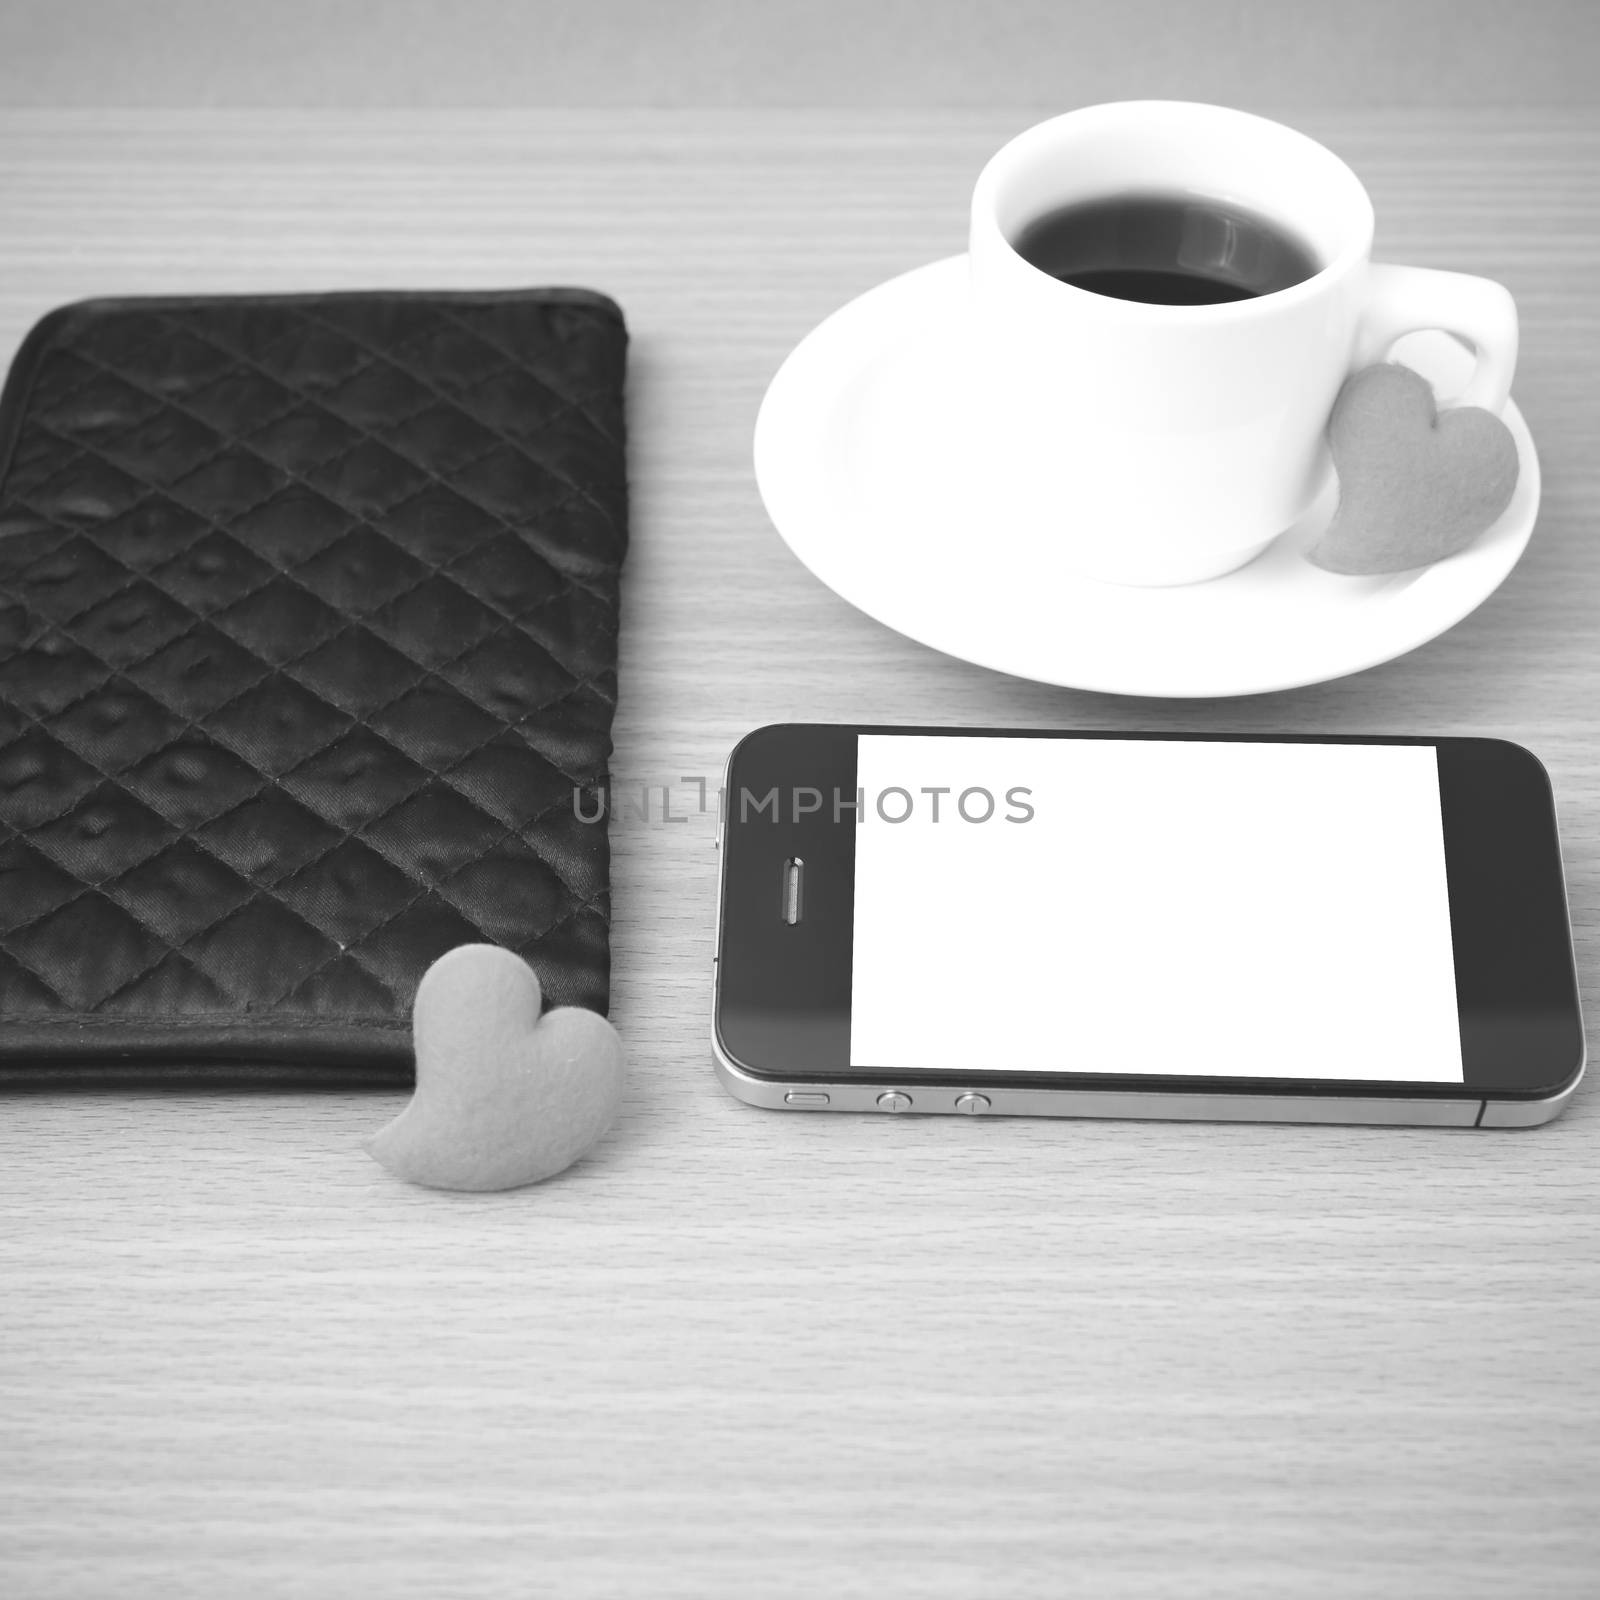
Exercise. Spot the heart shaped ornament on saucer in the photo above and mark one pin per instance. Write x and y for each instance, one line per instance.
(504, 1096)
(1415, 484)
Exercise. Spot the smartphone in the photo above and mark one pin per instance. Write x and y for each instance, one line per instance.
(1212, 926)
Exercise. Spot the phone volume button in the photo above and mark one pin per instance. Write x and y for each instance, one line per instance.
(894, 1100)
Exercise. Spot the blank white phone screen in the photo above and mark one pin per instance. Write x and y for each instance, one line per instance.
(1151, 906)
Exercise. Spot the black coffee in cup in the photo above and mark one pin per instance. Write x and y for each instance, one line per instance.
(1166, 249)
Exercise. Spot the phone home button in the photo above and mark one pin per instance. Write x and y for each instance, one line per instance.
(972, 1104)
(894, 1101)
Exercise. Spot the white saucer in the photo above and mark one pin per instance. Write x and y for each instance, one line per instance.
(866, 469)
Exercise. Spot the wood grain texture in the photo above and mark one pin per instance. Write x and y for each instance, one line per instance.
(737, 1353)
(693, 54)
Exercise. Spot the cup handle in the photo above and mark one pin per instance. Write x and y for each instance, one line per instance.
(1402, 300)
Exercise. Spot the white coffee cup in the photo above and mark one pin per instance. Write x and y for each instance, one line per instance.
(1165, 444)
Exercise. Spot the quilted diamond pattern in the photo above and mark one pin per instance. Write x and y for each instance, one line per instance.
(308, 617)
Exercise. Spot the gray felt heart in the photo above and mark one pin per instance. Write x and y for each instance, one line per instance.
(1415, 485)
(504, 1096)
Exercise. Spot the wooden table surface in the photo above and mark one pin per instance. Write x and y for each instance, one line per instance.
(737, 1353)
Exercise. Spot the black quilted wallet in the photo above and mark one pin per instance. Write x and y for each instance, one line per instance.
(308, 628)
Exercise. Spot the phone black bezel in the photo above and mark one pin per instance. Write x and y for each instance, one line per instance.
(782, 1008)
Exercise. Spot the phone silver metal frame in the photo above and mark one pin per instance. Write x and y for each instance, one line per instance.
(1159, 1105)
(939, 1097)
